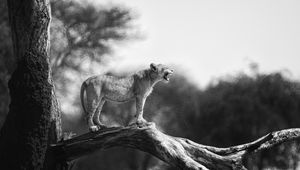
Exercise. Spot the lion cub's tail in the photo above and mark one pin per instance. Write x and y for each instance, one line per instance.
(83, 88)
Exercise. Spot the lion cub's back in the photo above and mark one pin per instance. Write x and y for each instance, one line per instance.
(117, 88)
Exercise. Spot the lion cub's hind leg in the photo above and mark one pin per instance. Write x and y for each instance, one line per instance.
(97, 115)
(92, 105)
(91, 124)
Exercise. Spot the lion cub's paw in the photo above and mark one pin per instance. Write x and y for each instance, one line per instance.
(94, 128)
(143, 123)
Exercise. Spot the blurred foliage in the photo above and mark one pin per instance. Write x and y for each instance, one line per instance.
(82, 31)
(230, 111)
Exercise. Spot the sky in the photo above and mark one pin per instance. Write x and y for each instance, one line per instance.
(207, 39)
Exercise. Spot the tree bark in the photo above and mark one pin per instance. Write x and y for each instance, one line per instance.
(179, 152)
(33, 121)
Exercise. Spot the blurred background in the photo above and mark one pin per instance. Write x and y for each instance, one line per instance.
(236, 71)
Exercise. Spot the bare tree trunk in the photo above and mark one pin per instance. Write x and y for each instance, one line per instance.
(33, 121)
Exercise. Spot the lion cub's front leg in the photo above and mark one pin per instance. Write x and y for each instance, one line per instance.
(139, 120)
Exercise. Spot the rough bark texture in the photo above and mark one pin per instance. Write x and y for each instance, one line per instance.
(179, 152)
(33, 121)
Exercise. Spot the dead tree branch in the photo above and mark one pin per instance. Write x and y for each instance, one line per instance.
(179, 152)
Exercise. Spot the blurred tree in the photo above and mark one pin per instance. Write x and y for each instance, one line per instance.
(84, 31)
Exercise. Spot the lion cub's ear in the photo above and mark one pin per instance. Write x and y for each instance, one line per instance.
(153, 67)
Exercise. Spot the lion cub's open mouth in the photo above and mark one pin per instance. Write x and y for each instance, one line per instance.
(167, 76)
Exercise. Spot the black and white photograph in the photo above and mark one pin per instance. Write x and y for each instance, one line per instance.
(149, 85)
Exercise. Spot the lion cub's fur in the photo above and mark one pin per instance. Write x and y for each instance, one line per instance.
(103, 88)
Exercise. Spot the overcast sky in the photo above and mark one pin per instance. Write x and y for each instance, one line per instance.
(212, 38)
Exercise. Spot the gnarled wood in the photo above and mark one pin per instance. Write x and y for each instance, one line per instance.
(179, 152)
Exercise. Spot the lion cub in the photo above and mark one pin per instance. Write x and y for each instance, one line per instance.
(103, 88)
